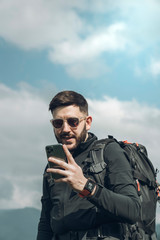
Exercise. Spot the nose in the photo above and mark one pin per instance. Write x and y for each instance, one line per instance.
(65, 127)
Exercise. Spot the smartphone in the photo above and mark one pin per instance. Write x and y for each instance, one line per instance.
(58, 152)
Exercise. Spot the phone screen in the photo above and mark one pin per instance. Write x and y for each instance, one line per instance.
(58, 152)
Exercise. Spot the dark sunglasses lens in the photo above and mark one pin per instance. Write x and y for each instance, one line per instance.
(73, 122)
(57, 123)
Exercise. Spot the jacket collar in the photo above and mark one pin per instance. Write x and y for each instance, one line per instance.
(84, 145)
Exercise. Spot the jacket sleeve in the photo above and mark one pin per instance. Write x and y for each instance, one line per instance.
(44, 228)
(118, 199)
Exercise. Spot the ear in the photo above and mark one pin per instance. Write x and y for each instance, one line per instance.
(88, 122)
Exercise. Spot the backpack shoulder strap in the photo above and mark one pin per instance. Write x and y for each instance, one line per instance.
(97, 156)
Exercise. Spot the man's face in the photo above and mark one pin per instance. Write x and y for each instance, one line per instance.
(71, 136)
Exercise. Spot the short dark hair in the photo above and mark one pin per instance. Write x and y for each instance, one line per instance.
(67, 98)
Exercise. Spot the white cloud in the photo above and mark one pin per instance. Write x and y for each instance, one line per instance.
(25, 130)
(89, 70)
(38, 24)
(109, 39)
(130, 121)
(46, 24)
(155, 67)
(82, 57)
(74, 39)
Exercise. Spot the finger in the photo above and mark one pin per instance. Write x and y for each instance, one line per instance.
(60, 180)
(60, 163)
(68, 155)
(57, 171)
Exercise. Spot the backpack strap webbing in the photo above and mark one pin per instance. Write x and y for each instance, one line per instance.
(97, 156)
(141, 177)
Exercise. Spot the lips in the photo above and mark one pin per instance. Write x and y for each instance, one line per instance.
(66, 136)
(67, 139)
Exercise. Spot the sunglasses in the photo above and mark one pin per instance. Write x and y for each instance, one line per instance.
(72, 122)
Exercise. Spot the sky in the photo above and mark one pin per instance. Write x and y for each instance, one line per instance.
(109, 51)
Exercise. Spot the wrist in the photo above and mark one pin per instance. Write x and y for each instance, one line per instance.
(89, 188)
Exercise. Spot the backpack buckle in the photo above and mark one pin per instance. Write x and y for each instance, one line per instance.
(97, 168)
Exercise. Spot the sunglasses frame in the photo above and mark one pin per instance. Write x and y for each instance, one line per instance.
(66, 120)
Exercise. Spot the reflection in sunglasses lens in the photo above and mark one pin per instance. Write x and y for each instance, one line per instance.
(72, 122)
(57, 123)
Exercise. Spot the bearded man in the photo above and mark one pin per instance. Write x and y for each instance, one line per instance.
(76, 206)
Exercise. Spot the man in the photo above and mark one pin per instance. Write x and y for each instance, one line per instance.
(75, 207)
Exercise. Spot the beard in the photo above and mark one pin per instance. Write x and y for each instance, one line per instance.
(78, 139)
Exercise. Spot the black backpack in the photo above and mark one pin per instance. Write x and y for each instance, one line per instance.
(144, 175)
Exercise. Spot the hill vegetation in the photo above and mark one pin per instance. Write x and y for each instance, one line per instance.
(21, 224)
(18, 224)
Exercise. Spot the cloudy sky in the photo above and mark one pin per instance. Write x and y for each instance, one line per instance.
(109, 51)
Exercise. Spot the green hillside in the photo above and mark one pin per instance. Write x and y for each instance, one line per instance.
(19, 224)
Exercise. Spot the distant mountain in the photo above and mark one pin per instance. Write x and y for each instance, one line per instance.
(19, 224)
(158, 231)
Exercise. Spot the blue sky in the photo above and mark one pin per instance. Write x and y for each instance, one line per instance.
(104, 49)
(119, 80)
(107, 50)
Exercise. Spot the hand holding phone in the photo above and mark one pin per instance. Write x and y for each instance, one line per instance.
(57, 152)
